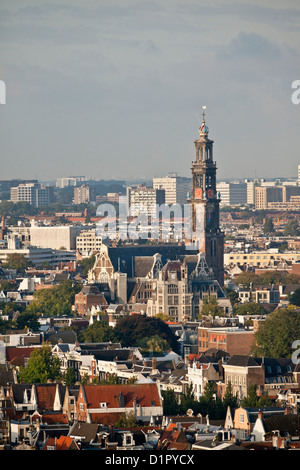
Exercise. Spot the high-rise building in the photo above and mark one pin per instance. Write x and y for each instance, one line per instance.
(266, 194)
(6, 185)
(232, 194)
(142, 196)
(176, 188)
(205, 204)
(70, 181)
(84, 194)
(33, 193)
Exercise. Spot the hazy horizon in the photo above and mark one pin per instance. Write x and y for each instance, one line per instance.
(115, 90)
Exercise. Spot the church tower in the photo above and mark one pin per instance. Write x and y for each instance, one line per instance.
(207, 236)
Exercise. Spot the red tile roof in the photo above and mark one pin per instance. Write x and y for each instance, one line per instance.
(106, 418)
(62, 443)
(17, 355)
(145, 394)
(45, 395)
(52, 418)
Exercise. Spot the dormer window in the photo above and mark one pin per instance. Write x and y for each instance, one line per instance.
(103, 404)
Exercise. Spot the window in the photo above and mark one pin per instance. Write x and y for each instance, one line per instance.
(242, 418)
(172, 289)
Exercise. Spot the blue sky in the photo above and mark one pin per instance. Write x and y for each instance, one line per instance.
(114, 89)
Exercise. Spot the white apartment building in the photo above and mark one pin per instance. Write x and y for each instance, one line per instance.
(142, 196)
(55, 237)
(84, 194)
(177, 188)
(33, 193)
(232, 194)
(250, 192)
(88, 242)
(259, 258)
(39, 255)
(70, 181)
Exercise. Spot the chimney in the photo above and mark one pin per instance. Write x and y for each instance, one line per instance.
(260, 415)
(111, 430)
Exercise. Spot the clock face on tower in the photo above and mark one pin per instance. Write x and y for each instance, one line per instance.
(210, 193)
(198, 193)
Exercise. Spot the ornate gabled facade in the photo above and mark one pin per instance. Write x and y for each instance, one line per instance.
(180, 288)
(170, 292)
(167, 279)
(117, 269)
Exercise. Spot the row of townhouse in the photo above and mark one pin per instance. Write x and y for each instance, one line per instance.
(272, 376)
(100, 361)
(28, 407)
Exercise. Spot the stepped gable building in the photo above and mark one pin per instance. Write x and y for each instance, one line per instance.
(206, 233)
(88, 297)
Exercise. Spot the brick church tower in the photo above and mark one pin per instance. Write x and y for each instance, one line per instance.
(207, 236)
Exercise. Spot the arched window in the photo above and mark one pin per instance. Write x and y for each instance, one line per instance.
(172, 289)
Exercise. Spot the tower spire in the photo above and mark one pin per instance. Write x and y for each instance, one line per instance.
(203, 129)
(204, 198)
(203, 114)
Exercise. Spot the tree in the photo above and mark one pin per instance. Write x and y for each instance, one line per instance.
(127, 421)
(229, 399)
(56, 301)
(28, 320)
(42, 366)
(9, 286)
(111, 379)
(268, 225)
(246, 278)
(154, 343)
(294, 298)
(70, 376)
(211, 308)
(99, 332)
(170, 404)
(17, 261)
(252, 400)
(188, 398)
(209, 391)
(232, 295)
(86, 264)
(291, 228)
(277, 333)
(131, 329)
(249, 308)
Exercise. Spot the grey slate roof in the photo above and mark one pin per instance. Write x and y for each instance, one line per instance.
(243, 361)
(6, 375)
(123, 257)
